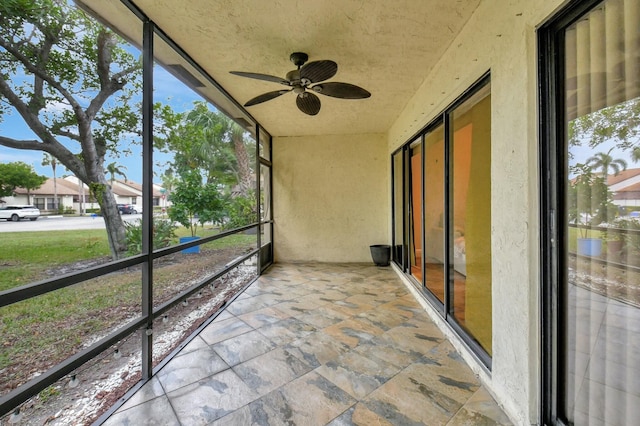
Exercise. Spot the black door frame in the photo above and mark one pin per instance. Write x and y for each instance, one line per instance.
(552, 151)
(443, 308)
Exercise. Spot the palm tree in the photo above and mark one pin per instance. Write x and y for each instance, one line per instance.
(245, 180)
(220, 141)
(113, 169)
(635, 154)
(604, 162)
(169, 181)
(50, 160)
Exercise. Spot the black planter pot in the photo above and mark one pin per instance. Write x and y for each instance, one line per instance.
(380, 254)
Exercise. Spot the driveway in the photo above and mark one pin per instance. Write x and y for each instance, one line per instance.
(59, 223)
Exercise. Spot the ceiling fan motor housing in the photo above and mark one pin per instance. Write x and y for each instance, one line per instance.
(293, 76)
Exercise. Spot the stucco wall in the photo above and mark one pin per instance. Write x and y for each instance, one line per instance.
(331, 197)
(501, 37)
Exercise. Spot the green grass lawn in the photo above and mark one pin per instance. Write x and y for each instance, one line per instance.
(24, 256)
(52, 326)
(575, 233)
(47, 327)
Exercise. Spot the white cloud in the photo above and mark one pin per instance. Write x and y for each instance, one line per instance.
(57, 106)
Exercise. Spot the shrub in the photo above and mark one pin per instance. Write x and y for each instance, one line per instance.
(631, 240)
(241, 211)
(163, 233)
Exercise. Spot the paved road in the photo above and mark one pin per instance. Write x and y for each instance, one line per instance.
(59, 223)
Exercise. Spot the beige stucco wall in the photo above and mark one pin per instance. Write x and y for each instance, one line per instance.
(501, 37)
(332, 197)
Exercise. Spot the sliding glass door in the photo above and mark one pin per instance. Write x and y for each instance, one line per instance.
(592, 325)
(434, 218)
(398, 208)
(470, 216)
(415, 209)
(442, 214)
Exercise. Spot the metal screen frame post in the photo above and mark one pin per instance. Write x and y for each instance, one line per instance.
(258, 194)
(147, 190)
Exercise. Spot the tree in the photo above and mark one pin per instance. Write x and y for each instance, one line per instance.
(72, 82)
(620, 122)
(589, 200)
(214, 143)
(245, 178)
(48, 160)
(169, 181)
(195, 201)
(240, 211)
(604, 162)
(19, 175)
(113, 169)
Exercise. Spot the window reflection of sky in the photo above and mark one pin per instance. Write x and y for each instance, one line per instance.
(580, 152)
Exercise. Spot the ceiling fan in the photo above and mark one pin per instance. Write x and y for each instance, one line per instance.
(305, 79)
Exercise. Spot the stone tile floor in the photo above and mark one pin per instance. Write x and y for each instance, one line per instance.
(317, 344)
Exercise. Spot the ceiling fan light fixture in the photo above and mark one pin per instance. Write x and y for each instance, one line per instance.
(298, 90)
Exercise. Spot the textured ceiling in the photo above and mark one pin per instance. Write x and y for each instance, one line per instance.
(386, 47)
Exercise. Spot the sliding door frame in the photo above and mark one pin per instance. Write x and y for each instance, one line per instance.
(444, 119)
(552, 153)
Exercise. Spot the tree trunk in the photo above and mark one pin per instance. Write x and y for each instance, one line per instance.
(245, 178)
(113, 223)
(81, 193)
(55, 195)
(55, 187)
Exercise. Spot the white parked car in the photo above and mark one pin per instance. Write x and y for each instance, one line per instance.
(17, 212)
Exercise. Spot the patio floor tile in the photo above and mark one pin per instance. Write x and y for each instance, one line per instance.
(317, 344)
(271, 370)
(189, 368)
(243, 347)
(211, 398)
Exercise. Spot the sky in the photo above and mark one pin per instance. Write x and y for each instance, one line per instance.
(583, 152)
(170, 90)
(167, 89)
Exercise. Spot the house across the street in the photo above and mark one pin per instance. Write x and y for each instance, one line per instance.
(625, 187)
(71, 196)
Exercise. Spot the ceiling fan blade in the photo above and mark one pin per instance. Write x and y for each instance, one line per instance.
(308, 103)
(341, 90)
(265, 97)
(318, 71)
(264, 77)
